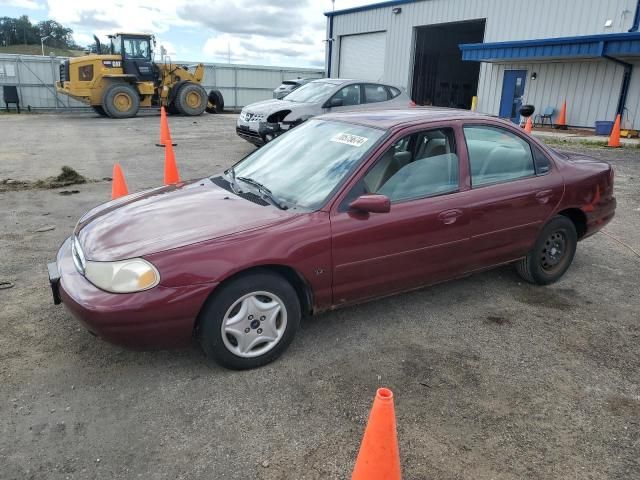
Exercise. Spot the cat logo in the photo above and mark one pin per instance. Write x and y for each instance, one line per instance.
(112, 63)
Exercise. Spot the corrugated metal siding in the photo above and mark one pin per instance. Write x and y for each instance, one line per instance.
(591, 88)
(506, 20)
(594, 85)
(239, 84)
(633, 100)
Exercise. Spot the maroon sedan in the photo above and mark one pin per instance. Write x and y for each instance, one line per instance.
(342, 209)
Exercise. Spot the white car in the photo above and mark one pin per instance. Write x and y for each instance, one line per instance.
(261, 122)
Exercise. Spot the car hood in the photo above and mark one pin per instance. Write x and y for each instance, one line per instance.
(271, 106)
(169, 217)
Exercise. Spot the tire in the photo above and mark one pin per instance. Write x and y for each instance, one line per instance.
(191, 99)
(171, 109)
(216, 102)
(99, 110)
(552, 253)
(263, 296)
(121, 100)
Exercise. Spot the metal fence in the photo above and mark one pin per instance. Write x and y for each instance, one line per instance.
(240, 85)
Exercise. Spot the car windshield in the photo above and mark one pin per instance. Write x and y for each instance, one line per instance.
(311, 92)
(304, 166)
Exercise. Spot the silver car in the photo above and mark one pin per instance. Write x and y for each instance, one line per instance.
(261, 122)
(289, 86)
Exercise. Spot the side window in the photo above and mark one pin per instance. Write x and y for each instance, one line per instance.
(420, 165)
(375, 93)
(394, 92)
(543, 165)
(497, 155)
(350, 95)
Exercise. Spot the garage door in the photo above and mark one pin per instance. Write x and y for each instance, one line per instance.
(362, 56)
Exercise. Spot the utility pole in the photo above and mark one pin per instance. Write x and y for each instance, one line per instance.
(42, 43)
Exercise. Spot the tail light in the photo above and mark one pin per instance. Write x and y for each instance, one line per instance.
(412, 104)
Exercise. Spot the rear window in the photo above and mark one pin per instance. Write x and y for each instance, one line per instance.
(290, 82)
(375, 93)
(394, 92)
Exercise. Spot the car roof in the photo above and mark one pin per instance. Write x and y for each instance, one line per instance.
(390, 118)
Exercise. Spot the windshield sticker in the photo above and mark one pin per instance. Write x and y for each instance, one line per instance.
(348, 139)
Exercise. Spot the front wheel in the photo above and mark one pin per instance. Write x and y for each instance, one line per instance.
(552, 253)
(191, 99)
(250, 321)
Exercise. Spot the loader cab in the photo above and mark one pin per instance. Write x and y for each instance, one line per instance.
(137, 55)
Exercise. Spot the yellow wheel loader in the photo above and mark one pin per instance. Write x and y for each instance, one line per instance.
(120, 78)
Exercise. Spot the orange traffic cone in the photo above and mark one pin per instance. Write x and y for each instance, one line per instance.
(528, 126)
(614, 138)
(561, 123)
(171, 174)
(119, 186)
(379, 457)
(165, 133)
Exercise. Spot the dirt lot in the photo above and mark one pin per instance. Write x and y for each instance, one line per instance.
(493, 378)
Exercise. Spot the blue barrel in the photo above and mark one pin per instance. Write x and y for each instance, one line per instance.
(604, 128)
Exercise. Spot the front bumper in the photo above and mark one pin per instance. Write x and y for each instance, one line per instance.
(161, 317)
(258, 133)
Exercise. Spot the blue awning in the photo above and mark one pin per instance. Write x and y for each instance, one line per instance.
(571, 48)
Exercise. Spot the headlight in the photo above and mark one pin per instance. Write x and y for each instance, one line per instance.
(125, 276)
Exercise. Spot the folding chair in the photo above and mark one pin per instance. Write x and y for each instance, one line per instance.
(10, 94)
(546, 114)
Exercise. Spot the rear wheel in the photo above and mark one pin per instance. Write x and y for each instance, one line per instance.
(216, 102)
(99, 110)
(121, 100)
(250, 321)
(552, 253)
(191, 99)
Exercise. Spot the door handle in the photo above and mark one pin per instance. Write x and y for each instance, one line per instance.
(543, 196)
(449, 216)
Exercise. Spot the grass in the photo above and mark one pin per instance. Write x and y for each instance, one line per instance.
(37, 50)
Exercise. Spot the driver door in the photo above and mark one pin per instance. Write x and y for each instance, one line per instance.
(423, 239)
(136, 59)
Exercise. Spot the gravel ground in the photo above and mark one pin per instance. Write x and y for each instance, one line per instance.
(493, 378)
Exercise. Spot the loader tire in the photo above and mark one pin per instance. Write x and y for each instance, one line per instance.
(99, 110)
(216, 102)
(191, 99)
(121, 100)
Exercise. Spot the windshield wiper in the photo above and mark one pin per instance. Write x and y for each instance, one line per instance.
(231, 173)
(263, 190)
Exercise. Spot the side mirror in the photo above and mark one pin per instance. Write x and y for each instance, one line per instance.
(334, 102)
(373, 203)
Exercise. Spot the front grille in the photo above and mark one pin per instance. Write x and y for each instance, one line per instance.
(64, 71)
(251, 117)
(242, 130)
(252, 197)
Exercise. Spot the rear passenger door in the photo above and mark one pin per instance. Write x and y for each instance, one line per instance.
(514, 190)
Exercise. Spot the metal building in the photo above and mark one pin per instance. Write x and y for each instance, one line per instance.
(507, 52)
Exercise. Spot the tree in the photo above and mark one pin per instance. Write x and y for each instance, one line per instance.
(59, 35)
(15, 31)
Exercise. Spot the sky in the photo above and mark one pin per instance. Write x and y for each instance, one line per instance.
(258, 32)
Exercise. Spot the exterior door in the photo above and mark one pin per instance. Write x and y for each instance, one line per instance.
(136, 58)
(512, 92)
(421, 240)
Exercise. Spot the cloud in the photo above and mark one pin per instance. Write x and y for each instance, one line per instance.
(96, 19)
(275, 19)
(26, 4)
(274, 32)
